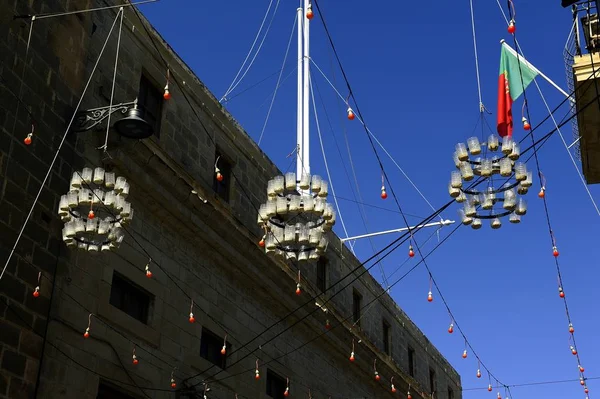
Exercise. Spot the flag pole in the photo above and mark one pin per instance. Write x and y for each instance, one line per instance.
(530, 66)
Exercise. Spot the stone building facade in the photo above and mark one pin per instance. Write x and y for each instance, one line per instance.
(198, 236)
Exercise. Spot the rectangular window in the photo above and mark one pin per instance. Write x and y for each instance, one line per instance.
(450, 393)
(322, 274)
(210, 348)
(432, 384)
(356, 306)
(411, 362)
(129, 298)
(387, 338)
(275, 385)
(108, 392)
(222, 183)
(150, 100)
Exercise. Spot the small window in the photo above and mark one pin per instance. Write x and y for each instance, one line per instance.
(356, 306)
(387, 338)
(450, 393)
(129, 298)
(210, 348)
(275, 385)
(432, 384)
(150, 100)
(108, 392)
(411, 362)
(222, 184)
(322, 274)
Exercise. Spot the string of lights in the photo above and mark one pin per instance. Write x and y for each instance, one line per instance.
(573, 344)
(389, 185)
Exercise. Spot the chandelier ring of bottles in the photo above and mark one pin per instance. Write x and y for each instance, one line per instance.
(506, 165)
(296, 217)
(94, 210)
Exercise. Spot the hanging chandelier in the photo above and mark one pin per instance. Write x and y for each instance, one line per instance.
(94, 210)
(296, 217)
(506, 181)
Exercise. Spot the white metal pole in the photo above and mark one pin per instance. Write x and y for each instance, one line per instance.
(306, 83)
(433, 224)
(529, 65)
(299, 114)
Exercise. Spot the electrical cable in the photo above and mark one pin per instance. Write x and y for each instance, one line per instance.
(287, 50)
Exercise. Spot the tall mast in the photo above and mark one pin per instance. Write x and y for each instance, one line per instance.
(299, 131)
(306, 88)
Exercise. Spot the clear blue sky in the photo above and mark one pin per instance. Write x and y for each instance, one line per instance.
(412, 70)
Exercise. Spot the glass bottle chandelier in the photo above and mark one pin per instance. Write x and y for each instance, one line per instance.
(507, 181)
(296, 217)
(94, 210)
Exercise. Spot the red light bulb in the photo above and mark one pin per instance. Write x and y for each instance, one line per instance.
(490, 388)
(586, 390)
(571, 329)
(135, 360)
(511, 27)
(223, 350)
(408, 395)
(581, 369)
(27, 140)
(430, 297)
(173, 384)
(192, 319)
(542, 193)
(91, 214)
(351, 114)
(352, 356)
(555, 252)
(257, 375)
(377, 377)
(393, 388)
(383, 193)
(36, 293)
(298, 290)
(573, 351)
(327, 325)
(478, 373)
(499, 396)
(219, 176)
(411, 253)
(581, 381)
(86, 334)
(261, 243)
(287, 392)
(309, 13)
(451, 328)
(167, 93)
(148, 274)
(561, 293)
(526, 125)
(464, 355)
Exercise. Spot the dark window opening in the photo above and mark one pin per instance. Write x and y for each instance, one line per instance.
(210, 348)
(411, 362)
(356, 306)
(387, 338)
(275, 385)
(222, 184)
(322, 274)
(432, 381)
(108, 392)
(150, 100)
(129, 298)
(450, 393)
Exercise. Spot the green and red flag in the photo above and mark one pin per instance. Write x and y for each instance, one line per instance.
(512, 82)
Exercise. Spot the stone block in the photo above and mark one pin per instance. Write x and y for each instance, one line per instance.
(20, 389)
(31, 344)
(12, 287)
(13, 362)
(9, 334)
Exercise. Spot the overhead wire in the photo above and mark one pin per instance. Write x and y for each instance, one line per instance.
(235, 81)
(287, 50)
